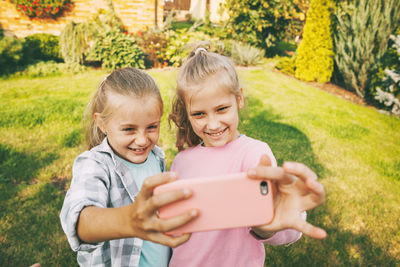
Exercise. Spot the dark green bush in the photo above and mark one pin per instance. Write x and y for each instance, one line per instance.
(41, 47)
(260, 23)
(11, 54)
(115, 49)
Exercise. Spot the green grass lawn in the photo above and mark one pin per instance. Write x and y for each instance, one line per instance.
(354, 149)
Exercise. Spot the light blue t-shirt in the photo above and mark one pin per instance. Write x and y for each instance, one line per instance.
(153, 254)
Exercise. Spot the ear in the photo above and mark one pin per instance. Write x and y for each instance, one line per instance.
(99, 122)
(240, 99)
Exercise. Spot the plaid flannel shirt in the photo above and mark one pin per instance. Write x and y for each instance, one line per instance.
(99, 179)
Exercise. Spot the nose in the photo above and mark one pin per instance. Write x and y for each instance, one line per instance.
(213, 123)
(141, 139)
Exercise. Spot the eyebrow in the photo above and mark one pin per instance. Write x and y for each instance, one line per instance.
(135, 125)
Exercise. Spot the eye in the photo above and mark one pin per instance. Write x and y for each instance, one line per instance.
(222, 109)
(153, 127)
(128, 129)
(197, 114)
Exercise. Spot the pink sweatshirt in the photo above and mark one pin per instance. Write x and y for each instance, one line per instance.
(231, 247)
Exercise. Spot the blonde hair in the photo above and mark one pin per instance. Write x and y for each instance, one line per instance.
(123, 82)
(199, 67)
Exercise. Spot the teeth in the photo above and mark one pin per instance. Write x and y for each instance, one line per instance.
(138, 149)
(216, 134)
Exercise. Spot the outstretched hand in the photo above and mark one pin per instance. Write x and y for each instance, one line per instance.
(295, 190)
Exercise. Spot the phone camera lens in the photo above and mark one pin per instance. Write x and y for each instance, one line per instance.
(264, 188)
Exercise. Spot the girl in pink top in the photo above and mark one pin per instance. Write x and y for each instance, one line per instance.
(205, 111)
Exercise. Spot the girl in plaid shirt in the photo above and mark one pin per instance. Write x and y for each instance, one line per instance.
(109, 212)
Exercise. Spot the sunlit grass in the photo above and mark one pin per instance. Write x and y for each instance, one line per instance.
(354, 149)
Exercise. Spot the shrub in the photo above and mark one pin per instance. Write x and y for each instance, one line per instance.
(41, 47)
(389, 92)
(245, 54)
(50, 68)
(42, 8)
(287, 65)
(75, 39)
(153, 42)
(361, 35)
(114, 49)
(314, 61)
(181, 42)
(260, 23)
(11, 54)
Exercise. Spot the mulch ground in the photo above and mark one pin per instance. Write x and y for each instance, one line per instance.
(340, 92)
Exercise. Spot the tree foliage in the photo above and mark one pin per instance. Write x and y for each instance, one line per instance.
(261, 23)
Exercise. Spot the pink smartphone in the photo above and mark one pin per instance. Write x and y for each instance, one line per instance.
(227, 201)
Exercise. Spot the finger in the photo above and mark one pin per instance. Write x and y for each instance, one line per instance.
(263, 172)
(174, 241)
(312, 188)
(317, 189)
(300, 170)
(311, 201)
(265, 161)
(179, 220)
(157, 201)
(150, 182)
(310, 230)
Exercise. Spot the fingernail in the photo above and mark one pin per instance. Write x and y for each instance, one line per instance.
(193, 213)
(186, 192)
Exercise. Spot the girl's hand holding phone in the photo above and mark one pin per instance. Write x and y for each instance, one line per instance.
(138, 219)
(143, 219)
(295, 190)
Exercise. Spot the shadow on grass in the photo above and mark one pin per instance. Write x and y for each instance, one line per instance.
(32, 233)
(286, 142)
(340, 248)
(18, 168)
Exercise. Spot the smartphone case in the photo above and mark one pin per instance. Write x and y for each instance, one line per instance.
(227, 201)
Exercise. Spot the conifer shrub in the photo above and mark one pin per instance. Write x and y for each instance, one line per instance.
(314, 61)
(361, 37)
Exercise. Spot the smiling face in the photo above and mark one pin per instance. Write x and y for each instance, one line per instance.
(134, 127)
(214, 113)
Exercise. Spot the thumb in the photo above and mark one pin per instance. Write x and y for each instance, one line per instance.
(265, 161)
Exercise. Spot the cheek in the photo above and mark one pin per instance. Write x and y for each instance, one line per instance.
(155, 135)
(197, 125)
